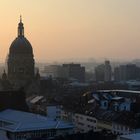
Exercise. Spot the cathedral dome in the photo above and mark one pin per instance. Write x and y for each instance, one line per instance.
(20, 45)
(20, 60)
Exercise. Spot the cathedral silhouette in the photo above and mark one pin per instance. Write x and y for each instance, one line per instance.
(20, 78)
(20, 59)
(20, 63)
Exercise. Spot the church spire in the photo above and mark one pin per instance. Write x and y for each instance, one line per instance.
(20, 28)
(20, 18)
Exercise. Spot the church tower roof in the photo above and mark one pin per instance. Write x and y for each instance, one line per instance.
(20, 44)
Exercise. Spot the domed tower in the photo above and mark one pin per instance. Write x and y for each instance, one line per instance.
(20, 59)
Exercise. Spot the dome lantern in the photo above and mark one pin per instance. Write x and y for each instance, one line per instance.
(20, 45)
(20, 28)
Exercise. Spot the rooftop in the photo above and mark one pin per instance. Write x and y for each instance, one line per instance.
(132, 136)
(117, 90)
(36, 99)
(17, 121)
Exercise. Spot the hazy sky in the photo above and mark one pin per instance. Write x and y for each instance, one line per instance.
(64, 29)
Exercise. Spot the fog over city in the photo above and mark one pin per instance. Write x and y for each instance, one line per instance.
(70, 70)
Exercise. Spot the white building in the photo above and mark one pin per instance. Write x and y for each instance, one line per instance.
(20, 125)
(121, 129)
(84, 123)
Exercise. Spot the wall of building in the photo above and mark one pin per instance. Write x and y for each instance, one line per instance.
(104, 125)
(84, 123)
(120, 129)
(54, 112)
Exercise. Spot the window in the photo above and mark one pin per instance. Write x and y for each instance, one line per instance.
(81, 118)
(91, 120)
(77, 116)
(124, 107)
(105, 104)
(80, 123)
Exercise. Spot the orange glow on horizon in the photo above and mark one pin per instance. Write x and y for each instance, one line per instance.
(63, 29)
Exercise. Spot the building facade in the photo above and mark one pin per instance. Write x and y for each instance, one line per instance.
(127, 72)
(75, 71)
(103, 72)
(84, 123)
(108, 72)
(67, 71)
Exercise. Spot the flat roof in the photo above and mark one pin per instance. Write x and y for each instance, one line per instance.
(117, 98)
(117, 90)
(36, 99)
(17, 121)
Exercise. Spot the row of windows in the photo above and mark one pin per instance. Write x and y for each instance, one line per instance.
(121, 133)
(91, 120)
(88, 119)
(4, 123)
(79, 123)
(79, 117)
(120, 127)
(39, 133)
(91, 127)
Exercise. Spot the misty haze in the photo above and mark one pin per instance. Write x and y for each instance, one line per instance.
(70, 70)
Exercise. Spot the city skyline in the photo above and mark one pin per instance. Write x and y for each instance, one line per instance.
(63, 30)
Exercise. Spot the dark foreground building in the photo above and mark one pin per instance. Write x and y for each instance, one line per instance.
(13, 100)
